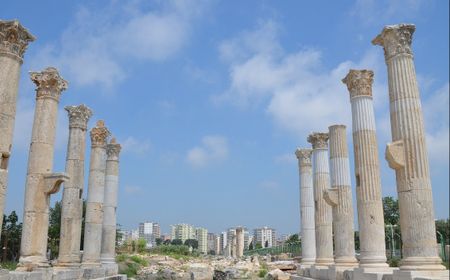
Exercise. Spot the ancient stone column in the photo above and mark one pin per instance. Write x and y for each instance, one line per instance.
(321, 182)
(367, 170)
(233, 246)
(407, 154)
(239, 242)
(308, 227)
(41, 182)
(339, 197)
(72, 200)
(96, 191)
(108, 252)
(14, 39)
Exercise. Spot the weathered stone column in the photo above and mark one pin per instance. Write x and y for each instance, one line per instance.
(108, 252)
(239, 242)
(323, 216)
(308, 227)
(367, 170)
(339, 197)
(41, 182)
(14, 39)
(407, 154)
(96, 191)
(72, 200)
(233, 246)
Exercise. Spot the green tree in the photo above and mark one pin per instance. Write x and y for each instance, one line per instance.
(293, 239)
(258, 245)
(158, 241)
(390, 210)
(54, 229)
(141, 245)
(177, 242)
(191, 243)
(443, 226)
(250, 246)
(266, 244)
(357, 247)
(10, 236)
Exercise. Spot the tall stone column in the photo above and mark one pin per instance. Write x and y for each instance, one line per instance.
(339, 197)
(233, 246)
(323, 216)
(14, 39)
(308, 227)
(367, 170)
(239, 242)
(72, 199)
(96, 191)
(108, 252)
(41, 182)
(407, 154)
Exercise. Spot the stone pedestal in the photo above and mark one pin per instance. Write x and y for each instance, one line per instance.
(96, 191)
(306, 207)
(72, 200)
(407, 154)
(323, 215)
(339, 197)
(239, 242)
(108, 250)
(40, 181)
(14, 39)
(367, 170)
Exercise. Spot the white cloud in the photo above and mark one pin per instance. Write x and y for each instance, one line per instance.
(213, 149)
(97, 46)
(135, 146)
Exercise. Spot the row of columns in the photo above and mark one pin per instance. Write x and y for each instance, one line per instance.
(324, 207)
(42, 181)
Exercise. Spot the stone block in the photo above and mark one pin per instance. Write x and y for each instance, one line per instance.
(421, 275)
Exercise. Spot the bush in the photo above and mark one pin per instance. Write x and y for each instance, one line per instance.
(121, 257)
(139, 260)
(394, 262)
(9, 265)
(262, 273)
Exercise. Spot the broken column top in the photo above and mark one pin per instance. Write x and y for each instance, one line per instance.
(318, 140)
(14, 38)
(113, 149)
(359, 82)
(78, 116)
(395, 39)
(49, 84)
(99, 134)
(304, 156)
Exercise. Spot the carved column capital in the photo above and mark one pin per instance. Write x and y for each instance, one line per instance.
(318, 140)
(395, 39)
(99, 134)
(303, 156)
(49, 84)
(78, 116)
(113, 149)
(14, 38)
(359, 82)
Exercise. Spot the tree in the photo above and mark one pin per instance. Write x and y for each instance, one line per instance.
(356, 236)
(167, 242)
(293, 239)
(258, 245)
(10, 236)
(266, 244)
(158, 241)
(177, 242)
(141, 245)
(212, 252)
(191, 243)
(391, 211)
(54, 229)
(443, 226)
(250, 246)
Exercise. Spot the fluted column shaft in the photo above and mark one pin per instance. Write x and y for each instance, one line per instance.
(323, 215)
(72, 199)
(233, 246)
(407, 154)
(367, 170)
(339, 197)
(108, 252)
(14, 39)
(96, 191)
(239, 242)
(40, 182)
(307, 211)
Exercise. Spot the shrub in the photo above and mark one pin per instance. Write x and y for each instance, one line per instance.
(262, 273)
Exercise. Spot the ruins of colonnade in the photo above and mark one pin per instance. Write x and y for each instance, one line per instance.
(98, 258)
(407, 155)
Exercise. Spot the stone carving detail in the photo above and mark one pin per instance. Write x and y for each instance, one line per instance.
(359, 82)
(78, 116)
(395, 39)
(49, 84)
(304, 156)
(318, 140)
(14, 38)
(113, 149)
(99, 134)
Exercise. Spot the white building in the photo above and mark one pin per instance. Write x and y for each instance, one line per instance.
(183, 232)
(147, 231)
(265, 236)
(201, 235)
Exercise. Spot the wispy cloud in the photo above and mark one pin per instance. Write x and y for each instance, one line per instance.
(135, 146)
(212, 149)
(288, 158)
(133, 189)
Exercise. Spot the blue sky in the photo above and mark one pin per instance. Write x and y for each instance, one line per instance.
(209, 99)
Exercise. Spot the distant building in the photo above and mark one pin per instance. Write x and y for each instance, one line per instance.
(183, 232)
(156, 231)
(218, 247)
(223, 241)
(265, 236)
(201, 235)
(211, 242)
(149, 231)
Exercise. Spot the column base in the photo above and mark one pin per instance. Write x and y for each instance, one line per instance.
(421, 263)
(349, 262)
(421, 275)
(338, 272)
(371, 273)
(32, 263)
(324, 261)
(110, 268)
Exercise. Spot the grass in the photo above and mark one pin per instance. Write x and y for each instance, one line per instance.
(132, 264)
(9, 265)
(262, 273)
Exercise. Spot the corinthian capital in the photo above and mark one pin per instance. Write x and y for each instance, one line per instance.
(99, 134)
(395, 39)
(318, 140)
(303, 156)
(78, 116)
(359, 82)
(49, 84)
(113, 149)
(14, 38)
